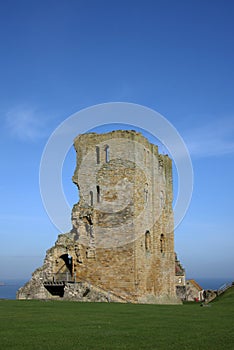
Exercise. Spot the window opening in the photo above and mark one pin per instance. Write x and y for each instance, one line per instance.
(91, 198)
(107, 150)
(98, 154)
(98, 194)
(162, 243)
(147, 241)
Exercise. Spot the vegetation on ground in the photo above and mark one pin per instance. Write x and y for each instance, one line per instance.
(71, 325)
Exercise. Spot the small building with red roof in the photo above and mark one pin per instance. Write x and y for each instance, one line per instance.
(194, 292)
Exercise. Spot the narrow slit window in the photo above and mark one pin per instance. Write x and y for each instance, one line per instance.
(91, 198)
(98, 194)
(107, 151)
(147, 241)
(162, 243)
(98, 154)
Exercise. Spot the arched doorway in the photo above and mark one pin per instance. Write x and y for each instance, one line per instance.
(64, 268)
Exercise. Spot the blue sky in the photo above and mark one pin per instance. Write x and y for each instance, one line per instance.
(58, 57)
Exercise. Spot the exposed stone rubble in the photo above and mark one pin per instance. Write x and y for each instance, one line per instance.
(121, 246)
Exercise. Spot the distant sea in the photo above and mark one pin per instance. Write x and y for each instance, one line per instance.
(211, 283)
(10, 287)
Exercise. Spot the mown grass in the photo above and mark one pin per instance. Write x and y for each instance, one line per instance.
(70, 325)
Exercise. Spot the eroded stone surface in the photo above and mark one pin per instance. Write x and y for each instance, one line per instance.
(121, 247)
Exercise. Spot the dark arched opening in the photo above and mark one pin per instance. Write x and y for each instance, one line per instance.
(67, 263)
(98, 194)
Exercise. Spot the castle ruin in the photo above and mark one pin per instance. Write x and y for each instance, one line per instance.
(121, 246)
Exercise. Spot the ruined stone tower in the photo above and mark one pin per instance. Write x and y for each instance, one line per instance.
(121, 246)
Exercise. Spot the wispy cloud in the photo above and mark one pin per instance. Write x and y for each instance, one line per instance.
(209, 140)
(26, 124)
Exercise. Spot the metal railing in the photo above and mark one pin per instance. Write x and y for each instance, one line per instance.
(59, 277)
(224, 287)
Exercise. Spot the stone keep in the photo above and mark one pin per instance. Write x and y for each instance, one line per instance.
(121, 246)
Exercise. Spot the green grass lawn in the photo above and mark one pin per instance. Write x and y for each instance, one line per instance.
(70, 325)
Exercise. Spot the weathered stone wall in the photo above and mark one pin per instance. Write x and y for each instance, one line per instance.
(122, 239)
(126, 223)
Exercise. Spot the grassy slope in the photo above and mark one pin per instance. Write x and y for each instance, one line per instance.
(70, 325)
